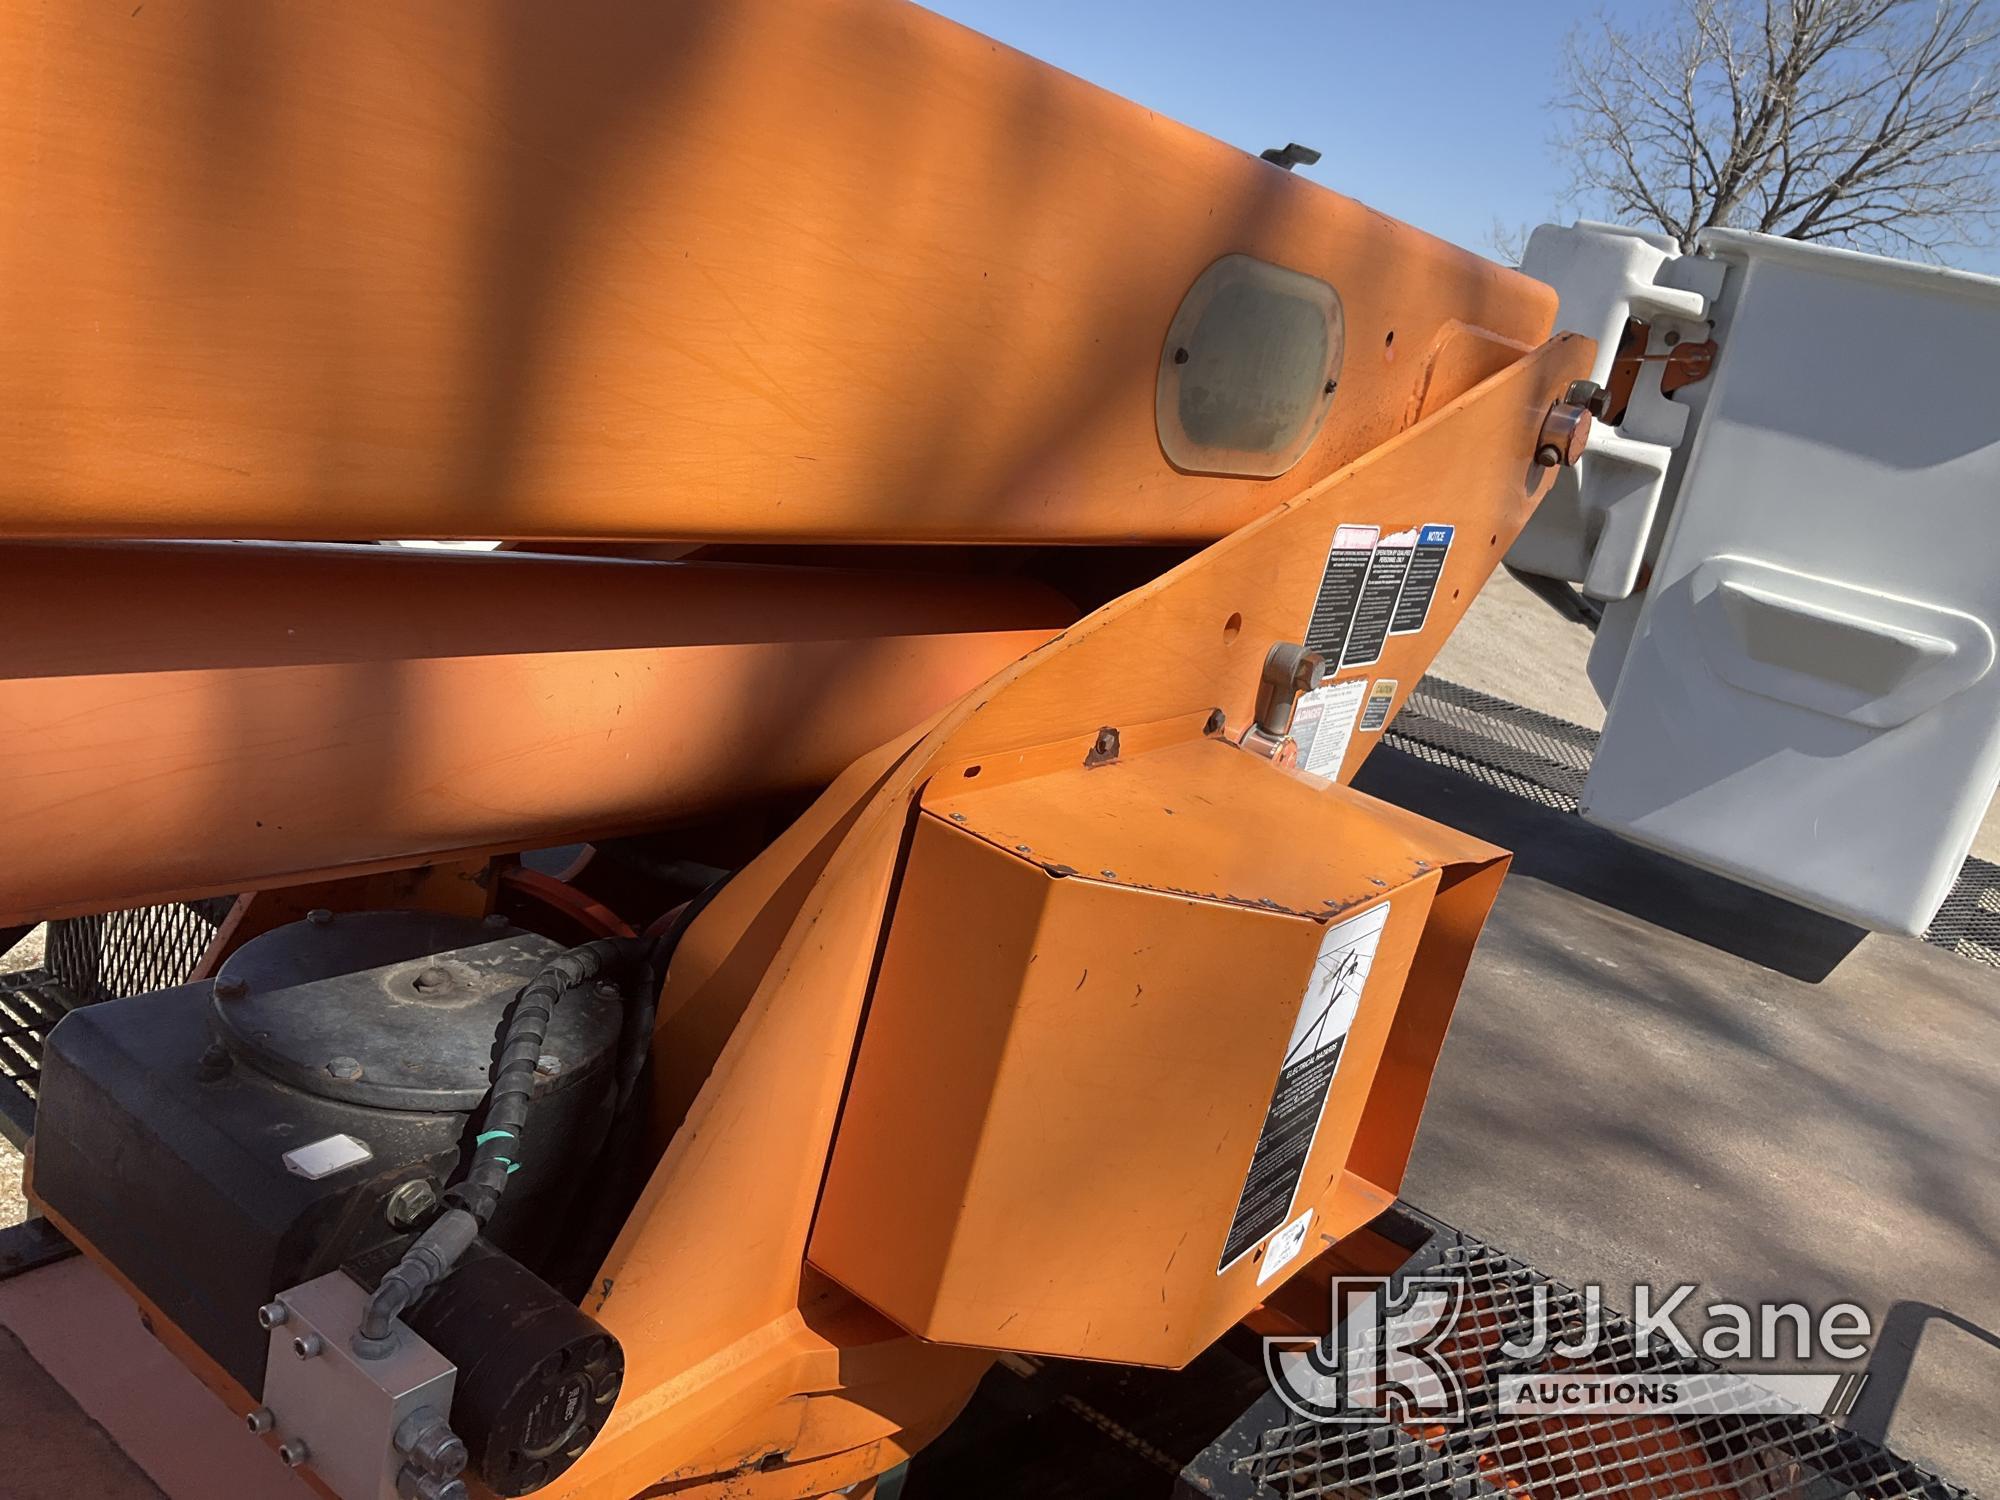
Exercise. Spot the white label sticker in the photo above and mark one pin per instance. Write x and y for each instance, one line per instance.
(1285, 1247)
(325, 1156)
(1323, 723)
(1312, 1056)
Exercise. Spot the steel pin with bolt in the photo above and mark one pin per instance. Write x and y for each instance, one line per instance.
(1566, 430)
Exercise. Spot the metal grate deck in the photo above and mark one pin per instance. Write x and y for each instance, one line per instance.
(1067, 1430)
(1545, 759)
(111, 956)
(1519, 1457)
(30, 1003)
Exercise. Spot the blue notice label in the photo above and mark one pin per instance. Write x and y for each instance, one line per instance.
(1413, 606)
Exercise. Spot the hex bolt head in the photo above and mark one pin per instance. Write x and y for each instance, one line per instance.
(347, 1069)
(1587, 394)
(410, 1204)
(448, 1457)
(319, 916)
(308, 1345)
(606, 990)
(231, 987)
(426, 1437)
(261, 1421)
(271, 1314)
(548, 1065)
(294, 1452)
(445, 1455)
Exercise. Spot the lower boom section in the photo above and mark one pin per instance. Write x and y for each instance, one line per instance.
(189, 719)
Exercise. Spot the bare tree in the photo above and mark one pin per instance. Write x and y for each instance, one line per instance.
(1869, 123)
(1508, 241)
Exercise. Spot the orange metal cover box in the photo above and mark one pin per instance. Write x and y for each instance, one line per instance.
(1146, 1037)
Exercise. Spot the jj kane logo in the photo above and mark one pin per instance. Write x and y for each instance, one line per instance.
(1402, 1349)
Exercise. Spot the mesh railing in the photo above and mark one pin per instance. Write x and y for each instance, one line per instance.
(115, 955)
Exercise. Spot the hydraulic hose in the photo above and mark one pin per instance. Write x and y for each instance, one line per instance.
(495, 1152)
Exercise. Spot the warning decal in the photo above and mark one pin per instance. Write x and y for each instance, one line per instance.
(1340, 590)
(1323, 723)
(1380, 697)
(1379, 593)
(1285, 1247)
(1426, 568)
(1326, 1014)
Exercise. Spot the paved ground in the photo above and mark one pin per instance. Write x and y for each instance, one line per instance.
(1622, 1098)
(1655, 1075)
(13, 1207)
(1514, 646)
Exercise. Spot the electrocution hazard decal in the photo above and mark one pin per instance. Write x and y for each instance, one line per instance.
(1323, 723)
(1426, 568)
(1319, 1035)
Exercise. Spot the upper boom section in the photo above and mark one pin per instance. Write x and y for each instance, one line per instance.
(758, 270)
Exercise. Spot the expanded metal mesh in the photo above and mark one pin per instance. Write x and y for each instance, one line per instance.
(1519, 750)
(30, 1003)
(1520, 1457)
(1545, 759)
(115, 955)
(1969, 921)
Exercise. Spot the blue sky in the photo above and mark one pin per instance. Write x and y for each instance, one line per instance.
(1434, 113)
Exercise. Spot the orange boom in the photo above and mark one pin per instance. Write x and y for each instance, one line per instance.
(974, 947)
